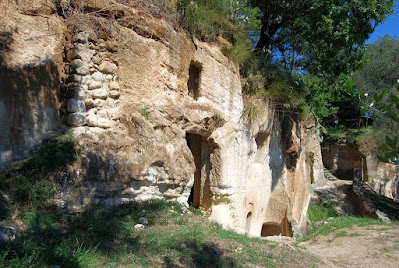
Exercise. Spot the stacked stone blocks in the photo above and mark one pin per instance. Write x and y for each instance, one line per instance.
(92, 89)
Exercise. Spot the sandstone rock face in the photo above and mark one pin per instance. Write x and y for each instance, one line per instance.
(342, 159)
(382, 177)
(159, 118)
(30, 76)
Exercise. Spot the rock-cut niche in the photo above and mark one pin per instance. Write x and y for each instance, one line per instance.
(200, 192)
(193, 82)
(274, 228)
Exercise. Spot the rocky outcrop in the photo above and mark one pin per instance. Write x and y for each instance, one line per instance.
(371, 204)
(156, 116)
(383, 178)
(342, 159)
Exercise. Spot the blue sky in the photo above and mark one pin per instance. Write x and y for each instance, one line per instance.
(391, 26)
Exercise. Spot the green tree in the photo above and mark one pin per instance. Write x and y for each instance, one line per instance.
(381, 70)
(319, 36)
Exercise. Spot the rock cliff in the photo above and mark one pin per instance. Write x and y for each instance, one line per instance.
(154, 116)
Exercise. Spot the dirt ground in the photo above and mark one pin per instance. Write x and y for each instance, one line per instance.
(368, 246)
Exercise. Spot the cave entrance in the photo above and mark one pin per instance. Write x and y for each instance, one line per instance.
(200, 196)
(275, 228)
(270, 229)
(193, 82)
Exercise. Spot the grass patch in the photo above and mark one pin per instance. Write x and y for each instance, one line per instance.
(339, 223)
(33, 181)
(105, 237)
(346, 234)
(321, 212)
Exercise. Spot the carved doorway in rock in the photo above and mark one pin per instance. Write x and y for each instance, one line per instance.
(200, 196)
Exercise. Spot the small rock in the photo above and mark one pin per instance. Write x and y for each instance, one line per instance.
(114, 93)
(93, 120)
(97, 59)
(76, 119)
(108, 67)
(95, 84)
(139, 226)
(183, 245)
(77, 91)
(82, 37)
(82, 52)
(171, 211)
(75, 78)
(89, 102)
(330, 219)
(97, 76)
(109, 77)
(80, 67)
(7, 234)
(99, 103)
(99, 93)
(382, 216)
(319, 223)
(114, 85)
(74, 105)
(143, 220)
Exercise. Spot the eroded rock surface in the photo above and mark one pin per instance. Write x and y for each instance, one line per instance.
(157, 117)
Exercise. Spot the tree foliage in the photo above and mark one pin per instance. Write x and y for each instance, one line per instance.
(319, 36)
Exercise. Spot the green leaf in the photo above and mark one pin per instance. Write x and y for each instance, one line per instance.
(195, 40)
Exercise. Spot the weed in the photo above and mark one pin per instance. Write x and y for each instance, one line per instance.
(145, 112)
(239, 52)
(251, 113)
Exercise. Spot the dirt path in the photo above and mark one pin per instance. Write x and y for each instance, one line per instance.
(369, 246)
